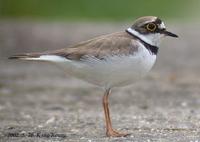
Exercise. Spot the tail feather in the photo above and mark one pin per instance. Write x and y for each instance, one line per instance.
(25, 56)
(39, 57)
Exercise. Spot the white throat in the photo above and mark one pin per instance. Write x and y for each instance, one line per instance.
(152, 39)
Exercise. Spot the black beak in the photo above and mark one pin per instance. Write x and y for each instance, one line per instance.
(167, 33)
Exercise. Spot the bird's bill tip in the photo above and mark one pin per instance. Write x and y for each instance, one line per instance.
(167, 33)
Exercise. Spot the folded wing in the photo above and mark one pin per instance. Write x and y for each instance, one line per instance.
(100, 47)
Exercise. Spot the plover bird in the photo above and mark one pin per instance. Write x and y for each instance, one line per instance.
(113, 60)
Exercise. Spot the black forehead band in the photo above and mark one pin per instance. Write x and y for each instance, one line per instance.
(158, 21)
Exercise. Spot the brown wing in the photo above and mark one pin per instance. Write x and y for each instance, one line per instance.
(100, 47)
(113, 44)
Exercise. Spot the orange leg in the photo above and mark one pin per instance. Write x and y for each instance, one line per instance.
(109, 130)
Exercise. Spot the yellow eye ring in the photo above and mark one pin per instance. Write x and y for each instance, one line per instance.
(151, 27)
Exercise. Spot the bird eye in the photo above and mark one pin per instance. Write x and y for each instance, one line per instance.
(151, 27)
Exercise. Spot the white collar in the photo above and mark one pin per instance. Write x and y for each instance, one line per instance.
(142, 37)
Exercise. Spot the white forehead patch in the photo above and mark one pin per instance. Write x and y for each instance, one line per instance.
(162, 26)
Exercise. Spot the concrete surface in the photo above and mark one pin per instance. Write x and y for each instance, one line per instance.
(39, 102)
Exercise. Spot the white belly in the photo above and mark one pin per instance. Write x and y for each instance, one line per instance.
(115, 71)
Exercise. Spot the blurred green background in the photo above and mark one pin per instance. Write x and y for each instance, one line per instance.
(113, 10)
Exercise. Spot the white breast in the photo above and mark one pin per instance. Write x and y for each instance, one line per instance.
(114, 71)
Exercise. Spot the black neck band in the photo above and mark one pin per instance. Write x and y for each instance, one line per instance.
(153, 49)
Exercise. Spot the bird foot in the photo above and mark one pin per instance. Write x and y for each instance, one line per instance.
(114, 133)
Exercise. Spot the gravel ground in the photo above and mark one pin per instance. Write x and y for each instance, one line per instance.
(39, 102)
